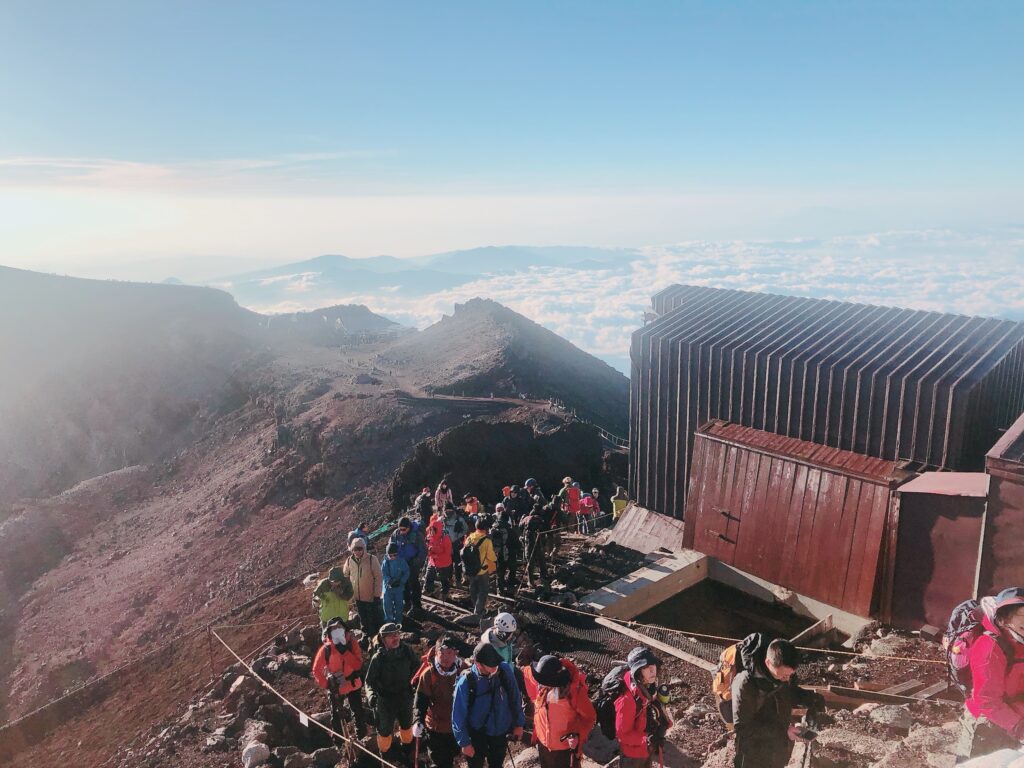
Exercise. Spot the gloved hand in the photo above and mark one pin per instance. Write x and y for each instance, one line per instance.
(418, 730)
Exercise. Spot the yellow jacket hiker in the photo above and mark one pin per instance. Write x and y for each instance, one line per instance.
(480, 584)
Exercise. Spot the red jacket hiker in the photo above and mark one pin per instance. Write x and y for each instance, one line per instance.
(439, 545)
(588, 506)
(343, 665)
(573, 496)
(553, 719)
(997, 693)
(631, 719)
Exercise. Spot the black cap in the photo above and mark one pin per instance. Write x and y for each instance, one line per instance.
(550, 671)
(405, 522)
(483, 524)
(487, 654)
(641, 660)
(449, 641)
(392, 548)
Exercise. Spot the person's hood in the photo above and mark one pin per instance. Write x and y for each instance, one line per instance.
(753, 650)
(988, 610)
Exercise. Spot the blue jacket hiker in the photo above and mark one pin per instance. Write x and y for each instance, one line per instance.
(487, 707)
(394, 573)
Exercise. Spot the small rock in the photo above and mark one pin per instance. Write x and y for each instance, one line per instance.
(298, 760)
(897, 718)
(255, 754)
(327, 757)
(867, 708)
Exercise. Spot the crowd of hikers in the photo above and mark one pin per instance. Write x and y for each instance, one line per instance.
(474, 706)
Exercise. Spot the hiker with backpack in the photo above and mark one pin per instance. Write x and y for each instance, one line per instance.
(413, 550)
(331, 596)
(533, 492)
(456, 527)
(432, 706)
(487, 709)
(535, 545)
(338, 669)
(563, 714)
(364, 572)
(423, 505)
(439, 558)
(517, 504)
(361, 531)
(389, 690)
(501, 635)
(479, 562)
(985, 648)
(443, 495)
(628, 709)
(764, 694)
(395, 574)
(586, 515)
(505, 539)
(619, 503)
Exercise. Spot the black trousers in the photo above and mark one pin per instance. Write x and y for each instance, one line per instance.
(355, 702)
(371, 616)
(442, 748)
(561, 758)
(489, 748)
(506, 577)
(413, 591)
(444, 575)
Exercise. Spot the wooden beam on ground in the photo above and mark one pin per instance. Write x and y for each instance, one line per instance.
(819, 627)
(878, 696)
(902, 688)
(933, 690)
(697, 661)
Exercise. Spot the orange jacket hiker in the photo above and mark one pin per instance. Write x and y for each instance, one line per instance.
(560, 708)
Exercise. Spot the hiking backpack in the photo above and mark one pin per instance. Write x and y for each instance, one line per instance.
(470, 557)
(962, 630)
(730, 664)
(612, 686)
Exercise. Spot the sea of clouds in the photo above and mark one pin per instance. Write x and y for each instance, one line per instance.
(598, 309)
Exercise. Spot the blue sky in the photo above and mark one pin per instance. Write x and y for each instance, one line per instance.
(203, 132)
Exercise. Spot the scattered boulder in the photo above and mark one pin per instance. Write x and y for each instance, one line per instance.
(255, 754)
(893, 717)
(256, 731)
(297, 664)
(866, 746)
(298, 760)
(241, 687)
(327, 757)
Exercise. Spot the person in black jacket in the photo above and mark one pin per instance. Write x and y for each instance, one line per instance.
(763, 697)
(389, 689)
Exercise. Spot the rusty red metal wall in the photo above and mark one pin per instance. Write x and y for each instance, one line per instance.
(936, 559)
(805, 516)
(1003, 555)
(928, 388)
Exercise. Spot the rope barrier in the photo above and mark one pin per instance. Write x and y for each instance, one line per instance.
(263, 623)
(304, 716)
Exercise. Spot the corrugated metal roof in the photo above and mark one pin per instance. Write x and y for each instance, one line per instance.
(973, 484)
(804, 451)
(928, 388)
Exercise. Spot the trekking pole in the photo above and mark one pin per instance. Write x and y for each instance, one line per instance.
(508, 748)
(416, 754)
(661, 756)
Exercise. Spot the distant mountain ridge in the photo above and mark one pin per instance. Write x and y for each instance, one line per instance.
(99, 374)
(485, 348)
(333, 279)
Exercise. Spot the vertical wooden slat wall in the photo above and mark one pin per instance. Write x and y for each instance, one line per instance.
(931, 389)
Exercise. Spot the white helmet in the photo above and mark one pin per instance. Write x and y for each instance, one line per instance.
(505, 623)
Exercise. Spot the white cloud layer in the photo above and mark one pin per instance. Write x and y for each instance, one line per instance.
(597, 310)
